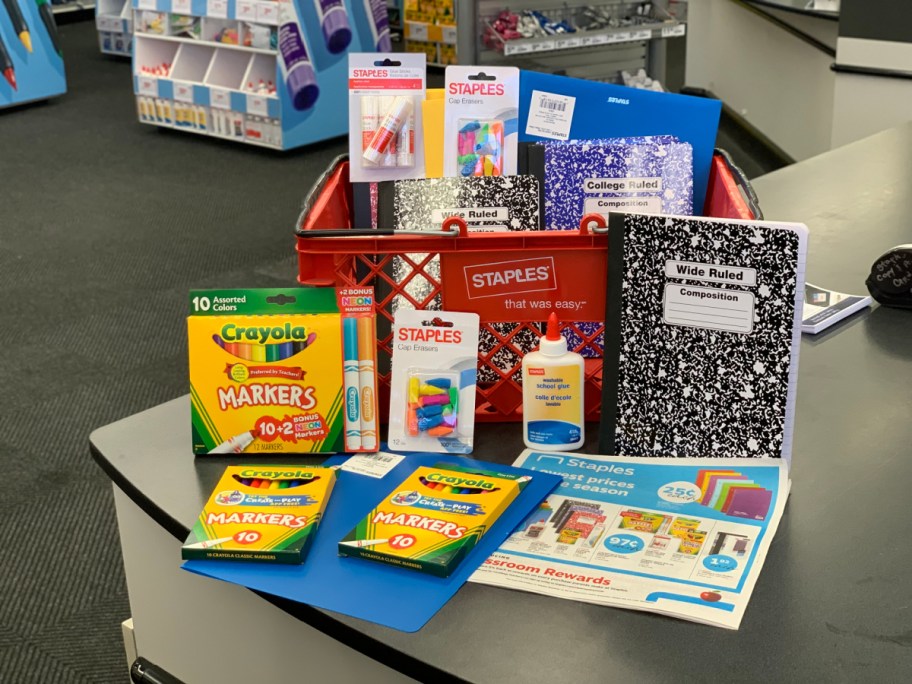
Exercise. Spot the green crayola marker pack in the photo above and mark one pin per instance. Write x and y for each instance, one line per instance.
(266, 370)
(433, 519)
(261, 513)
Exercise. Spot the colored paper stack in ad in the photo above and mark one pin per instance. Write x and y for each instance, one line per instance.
(730, 492)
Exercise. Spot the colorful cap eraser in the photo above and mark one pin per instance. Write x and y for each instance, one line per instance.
(454, 398)
(428, 411)
(426, 390)
(414, 384)
(442, 383)
(435, 400)
(425, 424)
(412, 422)
(442, 431)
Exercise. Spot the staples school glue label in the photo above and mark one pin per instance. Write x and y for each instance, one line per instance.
(553, 408)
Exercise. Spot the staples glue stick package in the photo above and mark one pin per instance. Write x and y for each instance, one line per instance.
(385, 93)
(432, 397)
(480, 117)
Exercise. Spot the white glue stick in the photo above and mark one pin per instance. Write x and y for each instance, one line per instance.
(392, 122)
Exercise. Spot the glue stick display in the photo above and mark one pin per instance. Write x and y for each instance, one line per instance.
(384, 104)
(295, 63)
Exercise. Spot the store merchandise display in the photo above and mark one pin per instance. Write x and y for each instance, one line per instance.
(114, 21)
(430, 28)
(31, 63)
(277, 67)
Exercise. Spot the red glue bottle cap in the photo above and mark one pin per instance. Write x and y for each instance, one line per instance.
(553, 343)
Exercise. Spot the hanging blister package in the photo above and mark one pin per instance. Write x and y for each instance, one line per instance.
(432, 396)
(384, 109)
(480, 121)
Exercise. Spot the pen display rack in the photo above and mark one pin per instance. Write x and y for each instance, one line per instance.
(259, 72)
(370, 258)
(593, 40)
(31, 62)
(114, 21)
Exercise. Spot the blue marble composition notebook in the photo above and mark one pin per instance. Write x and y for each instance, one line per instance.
(645, 175)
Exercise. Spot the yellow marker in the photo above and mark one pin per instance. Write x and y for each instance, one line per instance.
(26, 40)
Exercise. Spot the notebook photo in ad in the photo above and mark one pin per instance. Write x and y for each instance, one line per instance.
(702, 334)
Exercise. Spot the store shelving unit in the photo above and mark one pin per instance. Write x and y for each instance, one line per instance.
(632, 40)
(73, 6)
(213, 67)
(429, 26)
(114, 21)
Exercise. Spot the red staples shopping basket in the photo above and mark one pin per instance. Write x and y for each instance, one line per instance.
(512, 280)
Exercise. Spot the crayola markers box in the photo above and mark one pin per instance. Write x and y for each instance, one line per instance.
(262, 513)
(433, 518)
(266, 370)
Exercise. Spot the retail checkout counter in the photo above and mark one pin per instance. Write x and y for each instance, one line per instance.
(832, 602)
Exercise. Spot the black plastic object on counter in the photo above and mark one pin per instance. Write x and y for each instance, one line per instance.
(890, 282)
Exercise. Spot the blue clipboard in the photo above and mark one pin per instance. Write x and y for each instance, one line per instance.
(394, 597)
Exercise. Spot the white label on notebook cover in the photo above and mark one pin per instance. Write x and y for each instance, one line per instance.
(550, 115)
(472, 214)
(600, 186)
(709, 307)
(640, 205)
(711, 273)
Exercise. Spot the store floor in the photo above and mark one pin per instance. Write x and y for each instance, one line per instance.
(105, 224)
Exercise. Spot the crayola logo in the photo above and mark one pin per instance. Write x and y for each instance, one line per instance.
(459, 481)
(274, 474)
(351, 404)
(234, 333)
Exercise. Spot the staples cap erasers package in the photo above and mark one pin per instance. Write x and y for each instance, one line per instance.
(481, 115)
(385, 137)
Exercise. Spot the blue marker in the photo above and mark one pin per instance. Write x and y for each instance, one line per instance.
(352, 381)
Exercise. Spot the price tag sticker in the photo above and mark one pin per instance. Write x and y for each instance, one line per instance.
(217, 9)
(567, 43)
(449, 35)
(113, 24)
(417, 31)
(544, 46)
(219, 98)
(246, 10)
(674, 31)
(257, 104)
(619, 37)
(517, 49)
(183, 92)
(373, 465)
(597, 39)
(267, 13)
(182, 6)
(148, 85)
(146, 4)
(642, 34)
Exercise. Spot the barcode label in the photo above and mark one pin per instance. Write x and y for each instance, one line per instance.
(550, 115)
(553, 105)
(373, 465)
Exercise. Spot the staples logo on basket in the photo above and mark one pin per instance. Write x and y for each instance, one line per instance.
(510, 277)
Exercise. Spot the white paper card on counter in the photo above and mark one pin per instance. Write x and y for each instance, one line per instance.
(550, 115)
(373, 465)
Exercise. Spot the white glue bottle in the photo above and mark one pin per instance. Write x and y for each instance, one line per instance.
(553, 407)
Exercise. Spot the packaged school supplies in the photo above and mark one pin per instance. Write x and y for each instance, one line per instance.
(266, 370)
(481, 107)
(433, 519)
(560, 108)
(486, 204)
(267, 513)
(702, 336)
(385, 122)
(646, 175)
(432, 395)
